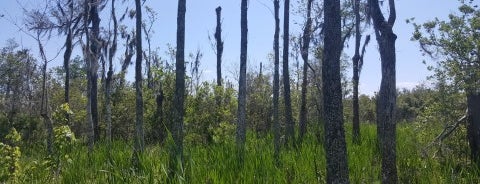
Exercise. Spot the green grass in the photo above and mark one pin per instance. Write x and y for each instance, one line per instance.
(218, 163)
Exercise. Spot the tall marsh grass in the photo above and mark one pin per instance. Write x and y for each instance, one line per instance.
(217, 163)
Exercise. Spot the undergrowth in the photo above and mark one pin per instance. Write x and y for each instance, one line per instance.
(217, 163)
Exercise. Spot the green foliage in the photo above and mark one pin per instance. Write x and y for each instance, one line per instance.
(60, 114)
(13, 137)
(224, 133)
(64, 140)
(64, 143)
(205, 119)
(260, 102)
(10, 154)
(216, 163)
(455, 44)
(411, 103)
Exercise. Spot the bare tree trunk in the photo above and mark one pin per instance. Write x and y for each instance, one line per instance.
(88, 58)
(67, 55)
(386, 101)
(276, 82)
(95, 54)
(148, 63)
(290, 125)
(242, 82)
(218, 38)
(139, 135)
(305, 51)
(335, 145)
(148, 59)
(176, 154)
(473, 130)
(44, 106)
(128, 54)
(355, 61)
(108, 81)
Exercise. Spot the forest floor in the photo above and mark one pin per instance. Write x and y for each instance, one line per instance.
(217, 163)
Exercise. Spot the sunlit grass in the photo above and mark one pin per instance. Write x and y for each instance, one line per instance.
(217, 163)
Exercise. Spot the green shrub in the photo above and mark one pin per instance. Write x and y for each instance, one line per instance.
(10, 154)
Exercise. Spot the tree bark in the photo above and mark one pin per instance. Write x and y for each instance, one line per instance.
(289, 124)
(355, 61)
(176, 154)
(304, 52)
(95, 54)
(218, 38)
(335, 145)
(108, 81)
(88, 57)
(160, 129)
(276, 82)
(242, 82)
(44, 106)
(473, 130)
(67, 55)
(386, 101)
(139, 135)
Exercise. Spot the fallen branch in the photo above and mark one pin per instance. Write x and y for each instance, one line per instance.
(447, 131)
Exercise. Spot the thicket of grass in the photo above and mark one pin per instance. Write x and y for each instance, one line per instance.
(218, 163)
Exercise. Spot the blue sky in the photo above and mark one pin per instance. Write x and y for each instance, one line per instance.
(200, 21)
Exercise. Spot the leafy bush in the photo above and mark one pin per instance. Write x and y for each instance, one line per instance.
(10, 154)
(64, 143)
(60, 114)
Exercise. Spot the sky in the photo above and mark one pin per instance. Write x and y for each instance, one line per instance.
(201, 21)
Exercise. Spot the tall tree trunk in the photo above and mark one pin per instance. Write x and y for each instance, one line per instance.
(473, 130)
(95, 49)
(218, 38)
(335, 145)
(289, 124)
(276, 82)
(176, 155)
(88, 58)
(108, 81)
(44, 106)
(386, 101)
(304, 51)
(66, 57)
(356, 73)
(139, 135)
(242, 82)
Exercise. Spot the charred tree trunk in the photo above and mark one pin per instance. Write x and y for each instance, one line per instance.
(335, 145)
(304, 51)
(108, 81)
(242, 85)
(289, 124)
(356, 73)
(276, 82)
(95, 47)
(139, 135)
(176, 154)
(218, 38)
(88, 57)
(386, 101)
(66, 57)
(44, 105)
(473, 130)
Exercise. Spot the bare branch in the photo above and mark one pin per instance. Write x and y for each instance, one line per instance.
(393, 13)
